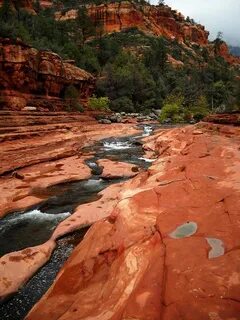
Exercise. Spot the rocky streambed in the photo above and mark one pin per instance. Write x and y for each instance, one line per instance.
(162, 245)
(35, 226)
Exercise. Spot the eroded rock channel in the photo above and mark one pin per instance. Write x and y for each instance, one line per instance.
(35, 226)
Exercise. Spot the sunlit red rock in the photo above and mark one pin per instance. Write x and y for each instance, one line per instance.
(155, 20)
(115, 169)
(223, 51)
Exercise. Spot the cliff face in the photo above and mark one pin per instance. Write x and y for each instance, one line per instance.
(155, 20)
(23, 4)
(29, 77)
(224, 52)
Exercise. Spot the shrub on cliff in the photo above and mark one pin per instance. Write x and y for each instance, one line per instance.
(101, 103)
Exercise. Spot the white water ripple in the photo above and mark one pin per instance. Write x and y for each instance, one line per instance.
(31, 216)
(117, 145)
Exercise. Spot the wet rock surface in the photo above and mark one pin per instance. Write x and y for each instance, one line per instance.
(18, 306)
(128, 265)
(21, 231)
(47, 154)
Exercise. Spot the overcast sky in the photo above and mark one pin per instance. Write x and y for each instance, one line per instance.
(216, 15)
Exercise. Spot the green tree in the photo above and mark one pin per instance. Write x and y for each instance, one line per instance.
(128, 77)
(6, 11)
(101, 103)
(156, 57)
(71, 96)
(173, 109)
(84, 24)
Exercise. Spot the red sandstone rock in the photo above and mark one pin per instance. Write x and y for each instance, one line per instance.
(224, 52)
(49, 154)
(17, 267)
(128, 266)
(156, 20)
(225, 118)
(114, 170)
(22, 4)
(20, 194)
(32, 77)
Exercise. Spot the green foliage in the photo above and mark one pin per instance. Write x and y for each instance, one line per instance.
(101, 103)
(71, 93)
(200, 109)
(156, 56)
(131, 67)
(172, 109)
(71, 96)
(123, 104)
(128, 77)
(84, 24)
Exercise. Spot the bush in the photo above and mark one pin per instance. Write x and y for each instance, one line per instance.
(200, 109)
(101, 103)
(122, 104)
(71, 96)
(77, 106)
(172, 109)
(71, 93)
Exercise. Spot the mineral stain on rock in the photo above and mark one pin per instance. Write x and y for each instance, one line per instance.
(185, 230)
(217, 248)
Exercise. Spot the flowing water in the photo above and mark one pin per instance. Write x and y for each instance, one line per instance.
(33, 227)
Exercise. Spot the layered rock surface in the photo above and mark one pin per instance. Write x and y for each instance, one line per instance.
(144, 259)
(224, 118)
(155, 20)
(38, 78)
(45, 149)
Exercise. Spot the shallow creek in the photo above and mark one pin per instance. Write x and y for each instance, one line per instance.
(33, 227)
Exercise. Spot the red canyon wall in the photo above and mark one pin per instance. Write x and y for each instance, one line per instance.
(25, 4)
(155, 20)
(29, 77)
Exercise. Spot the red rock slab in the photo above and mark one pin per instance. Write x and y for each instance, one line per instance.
(87, 214)
(17, 268)
(194, 179)
(116, 274)
(51, 145)
(20, 194)
(195, 285)
(115, 169)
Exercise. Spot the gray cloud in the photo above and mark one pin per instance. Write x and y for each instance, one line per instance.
(215, 15)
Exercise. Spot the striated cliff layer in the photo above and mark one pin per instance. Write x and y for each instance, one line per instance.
(29, 77)
(155, 20)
